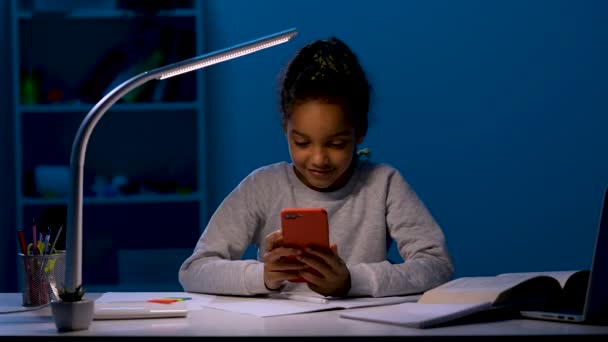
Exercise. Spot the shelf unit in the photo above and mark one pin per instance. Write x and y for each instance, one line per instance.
(66, 59)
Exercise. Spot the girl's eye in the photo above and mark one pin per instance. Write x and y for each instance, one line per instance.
(337, 145)
(300, 143)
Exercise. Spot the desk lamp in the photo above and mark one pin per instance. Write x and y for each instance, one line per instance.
(75, 200)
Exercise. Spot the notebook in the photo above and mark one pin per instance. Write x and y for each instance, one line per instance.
(595, 307)
(138, 310)
(139, 305)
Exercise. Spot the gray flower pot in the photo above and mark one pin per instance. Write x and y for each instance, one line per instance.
(70, 316)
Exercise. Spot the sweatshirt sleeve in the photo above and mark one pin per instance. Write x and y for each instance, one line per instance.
(215, 266)
(421, 244)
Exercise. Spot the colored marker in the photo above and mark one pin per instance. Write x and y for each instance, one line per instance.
(22, 242)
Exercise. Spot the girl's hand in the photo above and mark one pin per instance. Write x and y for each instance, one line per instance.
(279, 262)
(335, 277)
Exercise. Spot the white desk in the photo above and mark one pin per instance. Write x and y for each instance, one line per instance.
(221, 324)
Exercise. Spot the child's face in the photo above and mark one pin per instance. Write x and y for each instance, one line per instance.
(321, 143)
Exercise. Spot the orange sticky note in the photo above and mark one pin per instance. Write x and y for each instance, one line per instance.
(163, 300)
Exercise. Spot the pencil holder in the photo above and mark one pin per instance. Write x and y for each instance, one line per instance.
(43, 276)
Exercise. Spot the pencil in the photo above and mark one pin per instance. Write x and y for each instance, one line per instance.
(22, 241)
(45, 244)
(55, 240)
(34, 242)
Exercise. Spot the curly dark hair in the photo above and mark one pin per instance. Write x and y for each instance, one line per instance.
(326, 70)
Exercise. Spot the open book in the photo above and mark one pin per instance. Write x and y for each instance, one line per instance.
(465, 296)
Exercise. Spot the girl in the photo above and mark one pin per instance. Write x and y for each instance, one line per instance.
(324, 103)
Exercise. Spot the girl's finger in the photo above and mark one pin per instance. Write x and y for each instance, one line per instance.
(274, 277)
(285, 266)
(272, 240)
(278, 255)
(334, 248)
(318, 265)
(330, 259)
(313, 280)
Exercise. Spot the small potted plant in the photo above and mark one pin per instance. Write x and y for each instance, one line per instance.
(72, 311)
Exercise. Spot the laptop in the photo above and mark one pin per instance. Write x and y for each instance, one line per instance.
(595, 307)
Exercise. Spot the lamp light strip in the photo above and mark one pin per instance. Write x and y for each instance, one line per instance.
(221, 58)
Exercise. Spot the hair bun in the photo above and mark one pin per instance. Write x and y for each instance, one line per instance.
(326, 70)
(330, 56)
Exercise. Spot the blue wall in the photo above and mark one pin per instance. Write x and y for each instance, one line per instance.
(495, 111)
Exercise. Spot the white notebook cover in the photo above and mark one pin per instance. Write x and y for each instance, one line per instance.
(415, 315)
(138, 310)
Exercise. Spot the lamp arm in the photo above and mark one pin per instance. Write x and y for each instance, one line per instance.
(79, 146)
(75, 199)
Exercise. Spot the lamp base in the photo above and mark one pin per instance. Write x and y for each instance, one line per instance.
(70, 316)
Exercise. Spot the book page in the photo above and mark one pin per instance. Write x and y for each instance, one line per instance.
(471, 290)
(561, 276)
(573, 285)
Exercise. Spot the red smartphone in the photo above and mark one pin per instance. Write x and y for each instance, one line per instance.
(303, 227)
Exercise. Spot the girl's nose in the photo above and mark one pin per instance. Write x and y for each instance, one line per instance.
(320, 157)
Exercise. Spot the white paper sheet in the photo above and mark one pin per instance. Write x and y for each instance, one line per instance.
(268, 307)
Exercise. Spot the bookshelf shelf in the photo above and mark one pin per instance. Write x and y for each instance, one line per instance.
(123, 199)
(105, 13)
(127, 107)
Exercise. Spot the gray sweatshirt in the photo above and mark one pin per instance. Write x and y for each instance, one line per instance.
(376, 206)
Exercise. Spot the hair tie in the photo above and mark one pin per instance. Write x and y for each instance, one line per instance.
(364, 153)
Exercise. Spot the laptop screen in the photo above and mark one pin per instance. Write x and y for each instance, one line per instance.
(596, 303)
